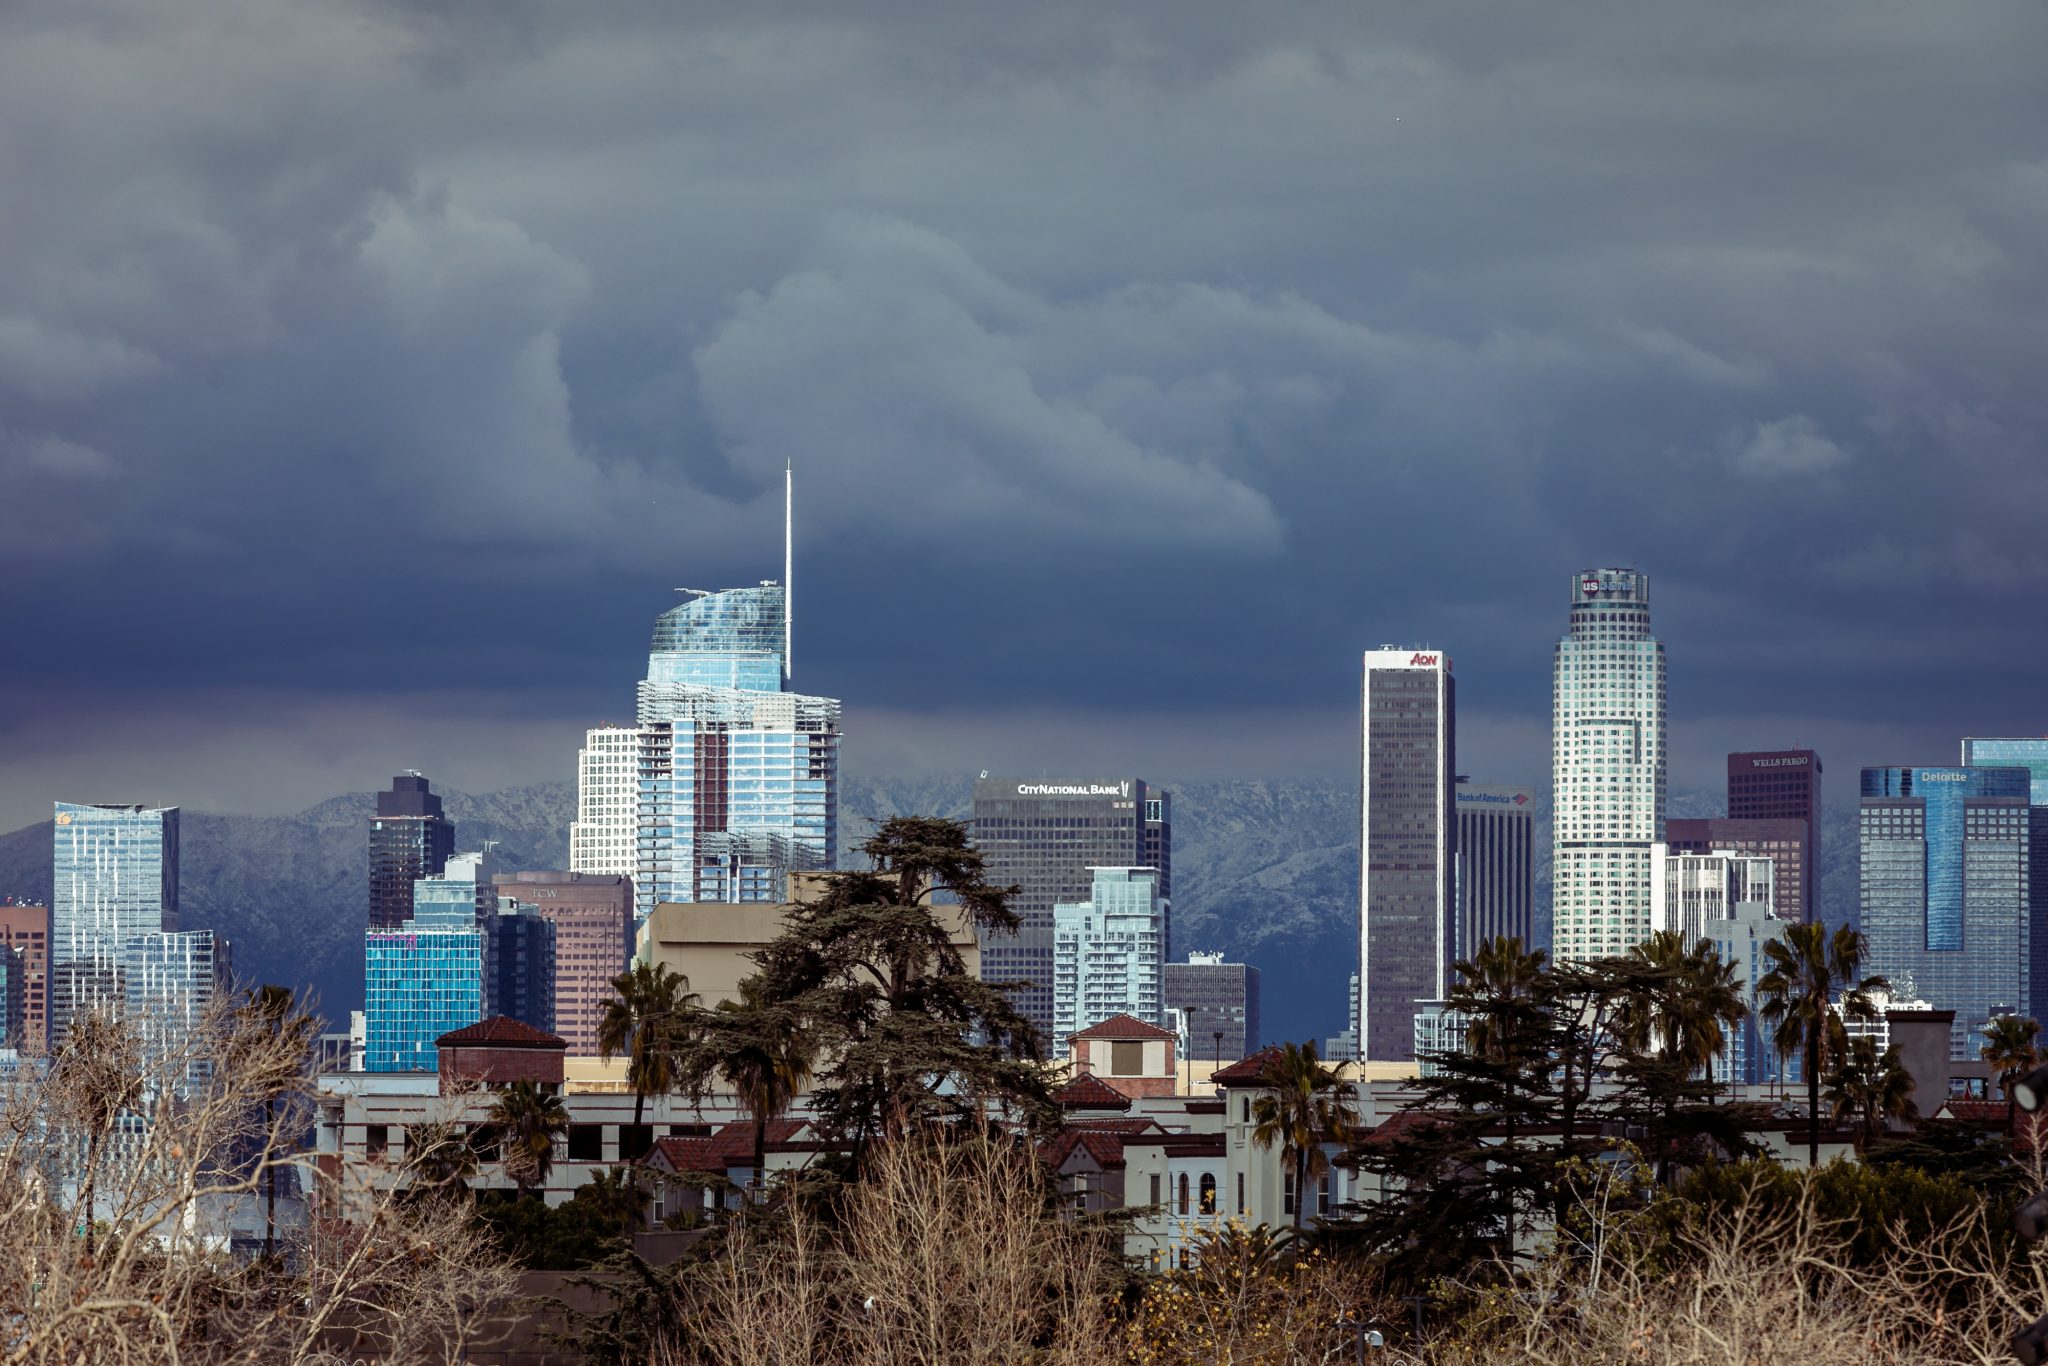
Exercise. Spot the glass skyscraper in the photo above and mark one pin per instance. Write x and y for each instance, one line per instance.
(1109, 953)
(1945, 889)
(115, 879)
(2032, 755)
(1496, 866)
(1607, 766)
(728, 783)
(1407, 890)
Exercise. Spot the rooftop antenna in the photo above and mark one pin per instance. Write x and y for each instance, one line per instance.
(788, 563)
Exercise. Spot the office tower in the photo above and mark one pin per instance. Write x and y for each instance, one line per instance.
(1740, 937)
(1687, 891)
(1607, 766)
(13, 999)
(1045, 836)
(410, 839)
(115, 878)
(1945, 889)
(1782, 785)
(603, 839)
(427, 976)
(1407, 910)
(1109, 952)
(1496, 861)
(26, 929)
(1783, 841)
(2031, 755)
(1214, 997)
(738, 781)
(593, 918)
(520, 965)
(171, 981)
(1438, 1030)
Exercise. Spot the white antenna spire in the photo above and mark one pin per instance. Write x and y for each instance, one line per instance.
(788, 564)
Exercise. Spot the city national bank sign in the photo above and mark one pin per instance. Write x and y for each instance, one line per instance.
(1074, 789)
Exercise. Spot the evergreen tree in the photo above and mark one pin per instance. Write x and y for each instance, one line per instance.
(1461, 1173)
(906, 1033)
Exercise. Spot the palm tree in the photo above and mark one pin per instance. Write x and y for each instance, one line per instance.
(1870, 1088)
(1686, 1001)
(764, 1053)
(648, 1020)
(267, 1052)
(1809, 969)
(529, 1120)
(439, 1157)
(1304, 1108)
(2012, 1045)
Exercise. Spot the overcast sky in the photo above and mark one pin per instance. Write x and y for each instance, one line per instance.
(371, 373)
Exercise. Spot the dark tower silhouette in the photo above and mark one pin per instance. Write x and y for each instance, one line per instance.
(409, 838)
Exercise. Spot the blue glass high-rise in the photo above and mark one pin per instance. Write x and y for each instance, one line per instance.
(115, 879)
(738, 778)
(2030, 753)
(1944, 889)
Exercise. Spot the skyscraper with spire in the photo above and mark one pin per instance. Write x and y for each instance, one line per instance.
(735, 777)
(1607, 766)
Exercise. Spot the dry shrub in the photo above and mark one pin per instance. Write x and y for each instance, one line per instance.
(948, 1254)
(1247, 1300)
(162, 1125)
(1752, 1286)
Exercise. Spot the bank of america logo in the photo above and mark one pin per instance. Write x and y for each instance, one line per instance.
(1521, 799)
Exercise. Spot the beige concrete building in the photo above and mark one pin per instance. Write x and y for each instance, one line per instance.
(711, 943)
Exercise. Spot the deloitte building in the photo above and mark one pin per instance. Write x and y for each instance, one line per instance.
(1045, 836)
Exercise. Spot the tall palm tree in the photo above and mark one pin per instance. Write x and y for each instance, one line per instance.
(267, 1051)
(1692, 1002)
(1678, 1017)
(1810, 970)
(2012, 1045)
(439, 1158)
(764, 1052)
(1304, 1108)
(649, 1020)
(529, 1120)
(1870, 1087)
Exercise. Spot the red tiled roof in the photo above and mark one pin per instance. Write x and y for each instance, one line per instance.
(1090, 1092)
(1248, 1071)
(1976, 1111)
(1106, 1148)
(1124, 1027)
(1132, 1125)
(689, 1154)
(500, 1031)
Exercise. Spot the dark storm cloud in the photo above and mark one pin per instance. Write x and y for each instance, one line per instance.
(1167, 354)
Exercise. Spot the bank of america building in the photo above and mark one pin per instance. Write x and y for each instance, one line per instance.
(1045, 836)
(1945, 889)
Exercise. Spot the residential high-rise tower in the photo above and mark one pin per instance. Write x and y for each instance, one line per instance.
(1607, 766)
(1109, 953)
(1407, 909)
